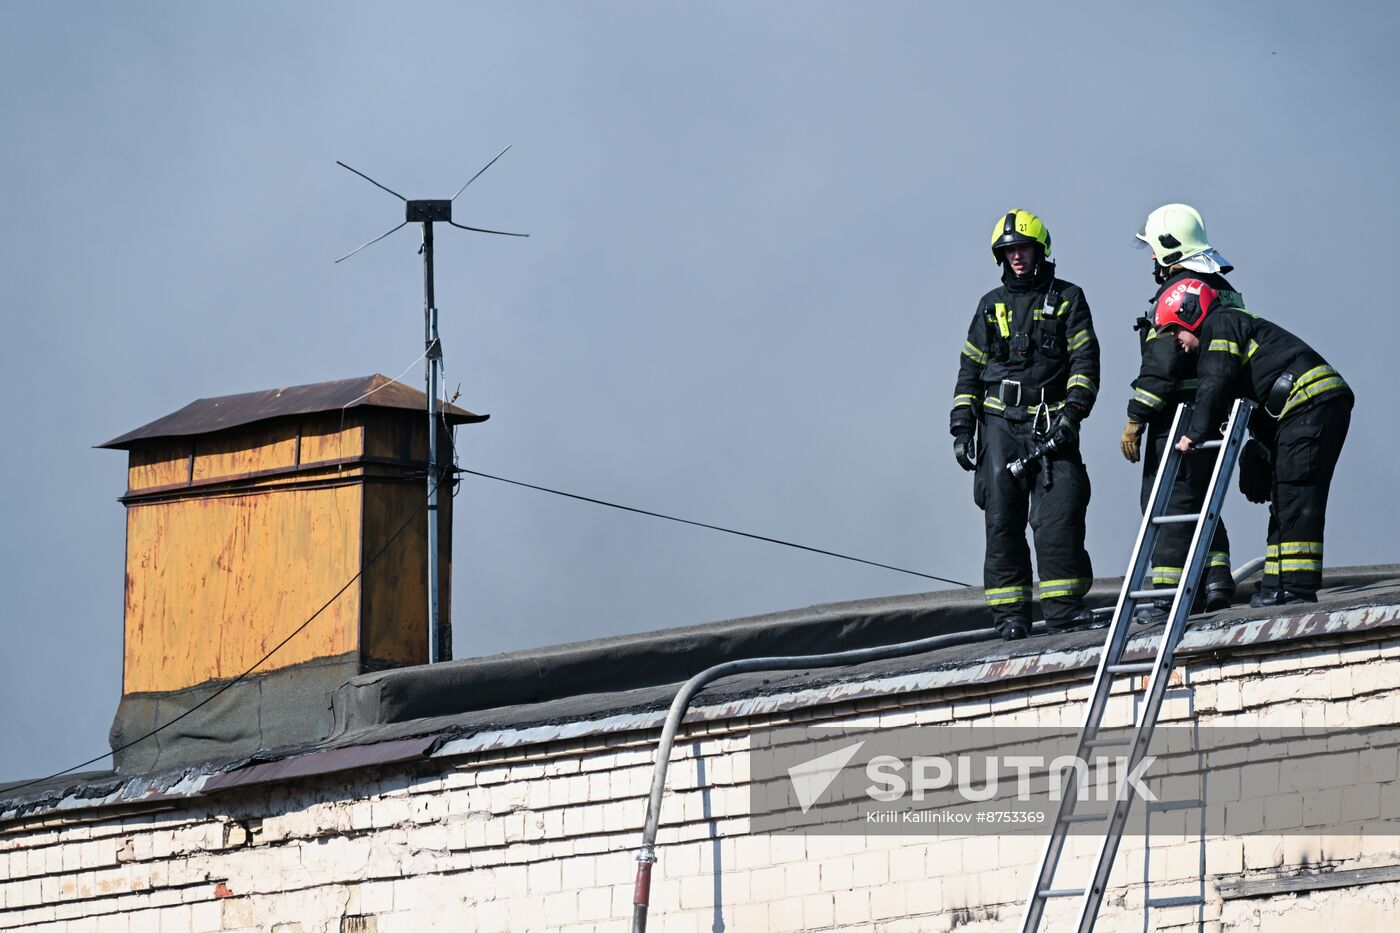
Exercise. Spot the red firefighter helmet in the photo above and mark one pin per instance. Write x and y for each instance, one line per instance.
(1185, 305)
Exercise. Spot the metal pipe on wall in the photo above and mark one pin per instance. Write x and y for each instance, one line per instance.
(646, 855)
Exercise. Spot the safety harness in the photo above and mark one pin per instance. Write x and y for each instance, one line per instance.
(1041, 335)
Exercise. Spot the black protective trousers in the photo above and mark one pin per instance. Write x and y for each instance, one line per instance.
(1188, 495)
(1055, 511)
(1306, 448)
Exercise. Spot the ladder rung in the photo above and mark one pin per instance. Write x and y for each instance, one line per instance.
(1107, 743)
(1138, 667)
(1151, 594)
(1186, 900)
(1174, 805)
(1176, 519)
(1061, 892)
(1209, 445)
(1086, 817)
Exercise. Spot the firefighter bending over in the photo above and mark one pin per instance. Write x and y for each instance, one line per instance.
(1298, 430)
(1028, 376)
(1166, 378)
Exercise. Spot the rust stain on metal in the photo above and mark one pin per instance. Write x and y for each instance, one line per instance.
(208, 415)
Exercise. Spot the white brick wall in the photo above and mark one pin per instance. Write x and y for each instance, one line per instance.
(543, 838)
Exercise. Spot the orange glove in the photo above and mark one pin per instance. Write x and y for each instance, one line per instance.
(1131, 443)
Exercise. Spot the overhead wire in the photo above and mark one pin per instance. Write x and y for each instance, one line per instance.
(731, 531)
(456, 468)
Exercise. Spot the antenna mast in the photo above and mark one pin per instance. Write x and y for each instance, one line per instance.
(427, 212)
(433, 351)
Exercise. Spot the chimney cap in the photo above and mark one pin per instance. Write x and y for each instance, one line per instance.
(207, 415)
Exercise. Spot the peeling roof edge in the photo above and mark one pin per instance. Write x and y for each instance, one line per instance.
(1202, 639)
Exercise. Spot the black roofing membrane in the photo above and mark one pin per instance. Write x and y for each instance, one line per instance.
(634, 674)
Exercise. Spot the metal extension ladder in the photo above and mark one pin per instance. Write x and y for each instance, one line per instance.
(1111, 664)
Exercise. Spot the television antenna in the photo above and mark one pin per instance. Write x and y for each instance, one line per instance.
(428, 212)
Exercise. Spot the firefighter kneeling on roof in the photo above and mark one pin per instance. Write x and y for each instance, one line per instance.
(1298, 430)
(1028, 375)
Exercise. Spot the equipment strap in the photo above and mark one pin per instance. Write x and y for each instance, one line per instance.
(1013, 394)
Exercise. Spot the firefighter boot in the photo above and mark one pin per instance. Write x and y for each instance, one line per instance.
(1220, 589)
(1013, 629)
(1278, 596)
(1153, 613)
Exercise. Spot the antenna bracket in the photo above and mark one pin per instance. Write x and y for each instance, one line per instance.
(428, 211)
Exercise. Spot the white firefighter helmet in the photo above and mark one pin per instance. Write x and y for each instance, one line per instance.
(1177, 235)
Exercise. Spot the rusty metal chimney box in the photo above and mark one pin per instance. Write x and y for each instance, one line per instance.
(245, 515)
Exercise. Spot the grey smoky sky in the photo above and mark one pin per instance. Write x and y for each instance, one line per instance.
(758, 233)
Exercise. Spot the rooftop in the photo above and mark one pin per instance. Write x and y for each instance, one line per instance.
(624, 684)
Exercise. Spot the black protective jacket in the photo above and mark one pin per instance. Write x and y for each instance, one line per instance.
(1243, 355)
(1036, 331)
(1167, 376)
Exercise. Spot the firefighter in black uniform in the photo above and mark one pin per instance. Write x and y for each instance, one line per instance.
(1167, 378)
(1298, 430)
(1028, 376)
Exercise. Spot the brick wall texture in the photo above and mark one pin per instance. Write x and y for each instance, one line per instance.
(543, 837)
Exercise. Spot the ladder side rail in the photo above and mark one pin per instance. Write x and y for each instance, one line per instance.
(1139, 565)
(1114, 645)
(1229, 452)
(1121, 631)
(1217, 489)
